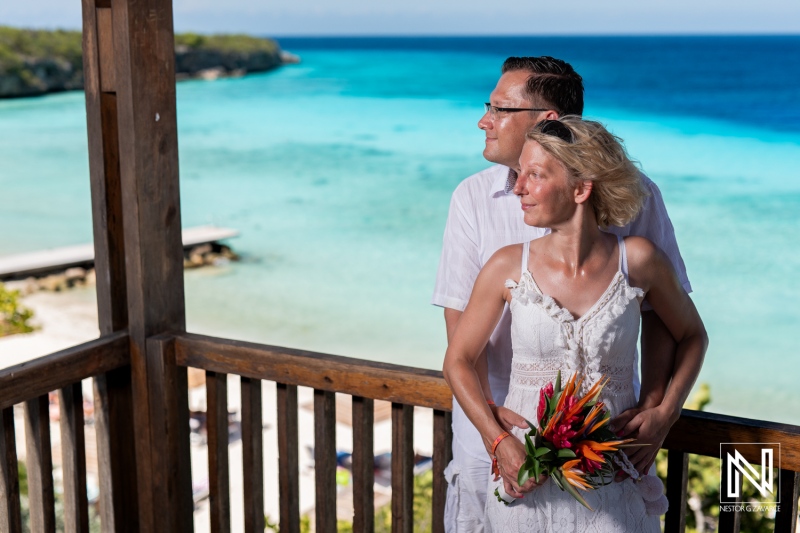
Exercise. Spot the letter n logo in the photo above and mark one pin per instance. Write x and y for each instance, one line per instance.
(739, 462)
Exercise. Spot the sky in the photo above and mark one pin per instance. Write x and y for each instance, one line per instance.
(447, 17)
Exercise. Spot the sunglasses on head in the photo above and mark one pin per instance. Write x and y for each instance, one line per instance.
(556, 128)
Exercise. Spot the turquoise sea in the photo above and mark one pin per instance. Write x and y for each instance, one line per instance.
(338, 173)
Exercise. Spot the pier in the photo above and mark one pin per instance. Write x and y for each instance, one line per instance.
(58, 259)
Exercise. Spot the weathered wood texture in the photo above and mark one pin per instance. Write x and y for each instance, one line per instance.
(172, 484)
(73, 459)
(357, 377)
(144, 89)
(10, 517)
(253, 455)
(701, 433)
(786, 517)
(677, 479)
(39, 461)
(288, 460)
(61, 369)
(402, 468)
(363, 464)
(325, 460)
(442, 455)
(218, 468)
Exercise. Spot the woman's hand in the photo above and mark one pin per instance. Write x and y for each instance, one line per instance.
(649, 427)
(510, 456)
(508, 419)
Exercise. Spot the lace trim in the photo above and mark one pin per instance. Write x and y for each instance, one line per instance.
(611, 305)
(538, 373)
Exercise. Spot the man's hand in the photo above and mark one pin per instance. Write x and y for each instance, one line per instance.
(647, 426)
(507, 418)
(510, 456)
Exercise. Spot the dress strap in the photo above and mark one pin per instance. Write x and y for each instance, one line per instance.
(623, 257)
(526, 246)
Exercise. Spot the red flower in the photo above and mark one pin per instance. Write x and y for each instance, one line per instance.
(561, 435)
(544, 393)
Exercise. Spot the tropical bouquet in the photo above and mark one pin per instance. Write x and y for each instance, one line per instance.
(572, 443)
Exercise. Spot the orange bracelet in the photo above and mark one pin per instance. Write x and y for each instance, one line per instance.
(497, 441)
(490, 403)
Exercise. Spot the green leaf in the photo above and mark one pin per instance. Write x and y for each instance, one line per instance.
(566, 453)
(523, 476)
(533, 427)
(529, 447)
(542, 451)
(557, 387)
(556, 476)
(574, 493)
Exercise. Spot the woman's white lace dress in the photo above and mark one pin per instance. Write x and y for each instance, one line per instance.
(546, 338)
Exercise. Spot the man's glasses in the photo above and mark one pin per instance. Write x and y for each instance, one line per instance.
(494, 110)
(555, 128)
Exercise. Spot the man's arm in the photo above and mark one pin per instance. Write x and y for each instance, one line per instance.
(658, 359)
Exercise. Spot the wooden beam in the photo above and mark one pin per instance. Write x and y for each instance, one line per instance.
(10, 516)
(356, 377)
(172, 482)
(144, 79)
(39, 460)
(253, 455)
(325, 460)
(716, 429)
(113, 402)
(363, 464)
(402, 468)
(442, 455)
(62, 369)
(73, 459)
(218, 467)
(288, 460)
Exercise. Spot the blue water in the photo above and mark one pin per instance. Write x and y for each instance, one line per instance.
(338, 173)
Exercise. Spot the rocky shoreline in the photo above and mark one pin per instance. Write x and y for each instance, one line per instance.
(34, 63)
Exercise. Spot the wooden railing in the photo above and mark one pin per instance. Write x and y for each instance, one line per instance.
(29, 383)
(695, 433)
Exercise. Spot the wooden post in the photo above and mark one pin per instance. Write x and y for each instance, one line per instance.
(253, 455)
(363, 464)
(10, 517)
(39, 460)
(112, 392)
(288, 460)
(325, 460)
(402, 468)
(73, 453)
(442, 455)
(130, 93)
(677, 491)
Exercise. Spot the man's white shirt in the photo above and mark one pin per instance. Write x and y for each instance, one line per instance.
(485, 216)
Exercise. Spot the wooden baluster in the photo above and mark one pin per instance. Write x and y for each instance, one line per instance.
(786, 517)
(677, 485)
(253, 455)
(217, 422)
(73, 453)
(442, 455)
(325, 460)
(10, 518)
(729, 521)
(288, 460)
(363, 464)
(402, 468)
(40, 465)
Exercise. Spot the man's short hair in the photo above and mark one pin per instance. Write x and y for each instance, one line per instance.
(552, 80)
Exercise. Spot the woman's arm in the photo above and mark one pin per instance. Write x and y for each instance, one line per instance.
(651, 270)
(474, 328)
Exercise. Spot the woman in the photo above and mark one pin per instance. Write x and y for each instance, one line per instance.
(575, 299)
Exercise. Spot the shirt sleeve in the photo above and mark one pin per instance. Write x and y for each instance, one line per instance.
(654, 224)
(459, 264)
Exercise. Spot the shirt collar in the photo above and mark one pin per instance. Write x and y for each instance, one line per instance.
(504, 183)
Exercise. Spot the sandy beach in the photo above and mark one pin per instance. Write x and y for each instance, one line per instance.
(68, 318)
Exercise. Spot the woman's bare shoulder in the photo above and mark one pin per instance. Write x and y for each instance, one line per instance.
(506, 261)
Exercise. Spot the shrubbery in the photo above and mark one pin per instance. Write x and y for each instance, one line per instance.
(14, 318)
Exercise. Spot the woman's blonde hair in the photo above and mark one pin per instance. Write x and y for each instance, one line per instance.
(598, 156)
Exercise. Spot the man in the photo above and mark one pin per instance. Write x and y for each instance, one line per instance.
(485, 216)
